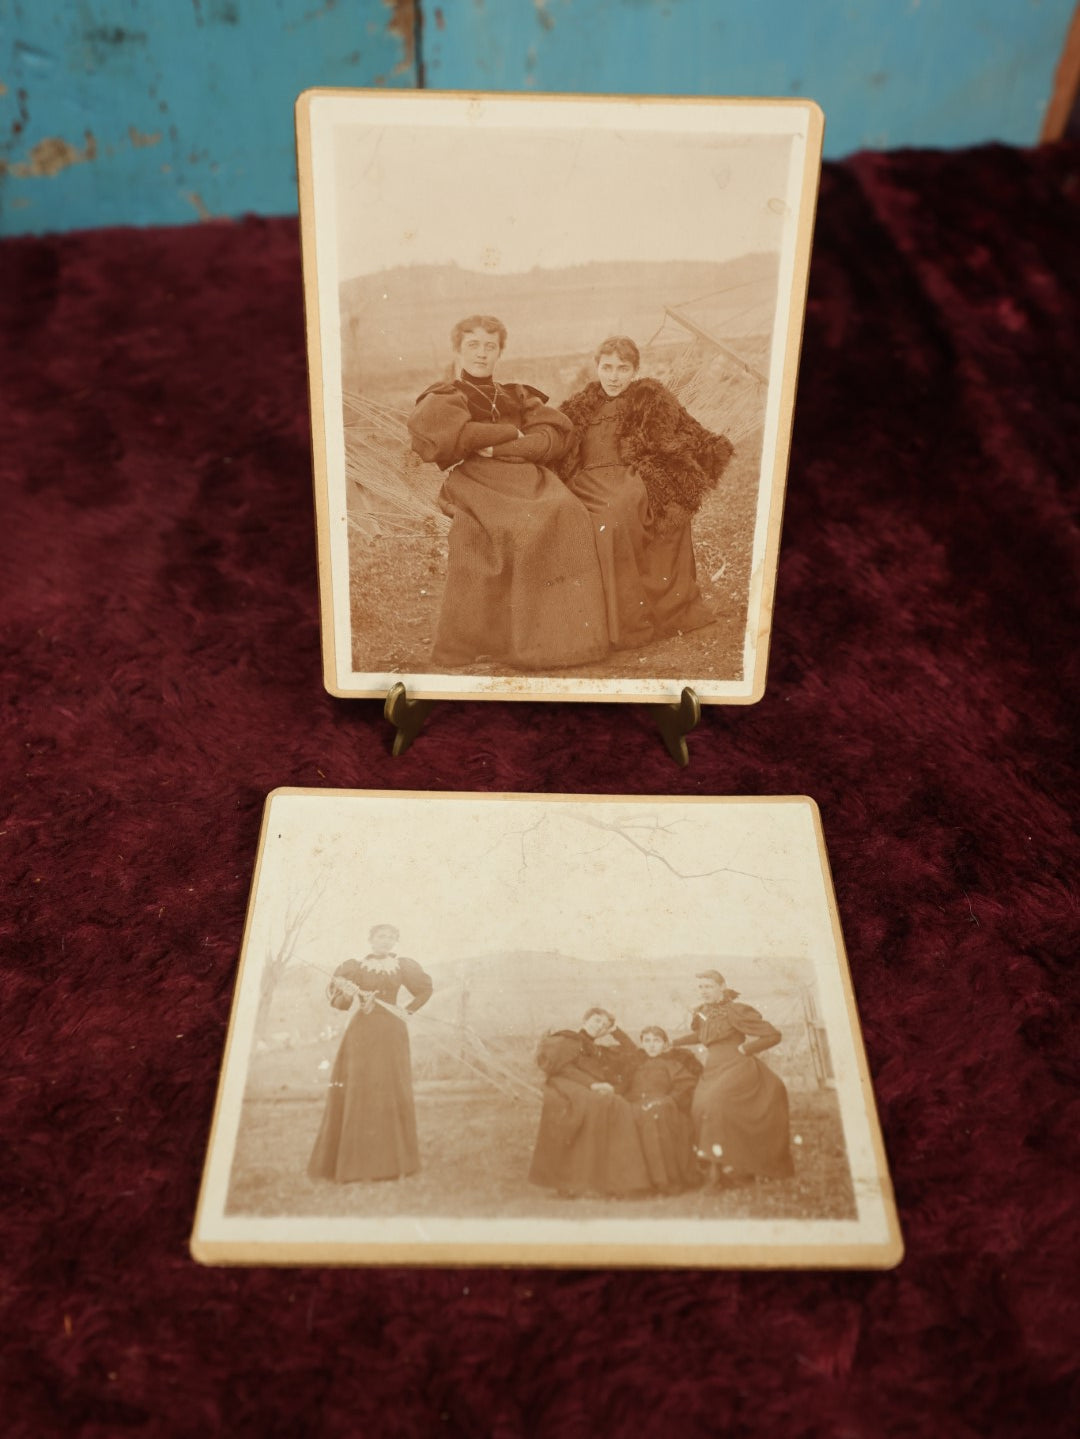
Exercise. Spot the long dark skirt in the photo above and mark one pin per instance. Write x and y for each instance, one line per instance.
(369, 1124)
(587, 1143)
(740, 1113)
(523, 579)
(669, 580)
(667, 1142)
(615, 498)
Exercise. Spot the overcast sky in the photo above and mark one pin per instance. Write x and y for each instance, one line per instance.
(465, 878)
(506, 200)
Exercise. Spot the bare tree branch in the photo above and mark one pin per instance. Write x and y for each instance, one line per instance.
(652, 827)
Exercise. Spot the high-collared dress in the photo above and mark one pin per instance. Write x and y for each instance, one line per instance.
(368, 1128)
(523, 586)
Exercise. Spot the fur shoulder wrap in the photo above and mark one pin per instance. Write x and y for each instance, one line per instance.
(678, 459)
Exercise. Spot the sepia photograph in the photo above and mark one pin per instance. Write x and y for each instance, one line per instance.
(553, 344)
(544, 1030)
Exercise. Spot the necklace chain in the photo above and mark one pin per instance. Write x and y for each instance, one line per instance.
(492, 399)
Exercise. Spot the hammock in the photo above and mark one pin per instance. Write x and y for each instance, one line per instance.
(721, 380)
(391, 492)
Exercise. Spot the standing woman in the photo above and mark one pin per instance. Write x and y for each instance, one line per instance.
(642, 465)
(523, 584)
(740, 1106)
(587, 1142)
(369, 1124)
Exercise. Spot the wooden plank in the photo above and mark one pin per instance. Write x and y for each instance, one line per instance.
(1066, 84)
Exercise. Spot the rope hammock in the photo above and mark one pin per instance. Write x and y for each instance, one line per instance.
(460, 1041)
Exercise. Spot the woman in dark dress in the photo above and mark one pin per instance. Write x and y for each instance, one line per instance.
(740, 1106)
(523, 584)
(587, 1142)
(660, 1090)
(369, 1124)
(641, 465)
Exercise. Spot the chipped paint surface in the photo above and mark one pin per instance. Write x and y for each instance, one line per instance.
(50, 156)
(195, 200)
(138, 112)
(402, 23)
(886, 72)
(194, 98)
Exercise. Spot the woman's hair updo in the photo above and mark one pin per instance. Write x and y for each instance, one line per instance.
(597, 1010)
(491, 323)
(661, 1034)
(621, 345)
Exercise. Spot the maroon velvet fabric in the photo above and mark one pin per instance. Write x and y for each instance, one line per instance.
(161, 673)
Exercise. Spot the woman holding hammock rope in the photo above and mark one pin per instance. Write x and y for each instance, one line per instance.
(368, 1128)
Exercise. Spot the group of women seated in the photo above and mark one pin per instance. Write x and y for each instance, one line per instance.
(570, 527)
(621, 1119)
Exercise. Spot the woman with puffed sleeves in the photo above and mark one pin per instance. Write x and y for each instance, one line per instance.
(740, 1105)
(368, 1128)
(523, 588)
(588, 1142)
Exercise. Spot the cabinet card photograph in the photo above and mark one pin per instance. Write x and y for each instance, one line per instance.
(558, 1030)
(553, 344)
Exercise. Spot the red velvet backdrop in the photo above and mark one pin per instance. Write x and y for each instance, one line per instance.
(161, 673)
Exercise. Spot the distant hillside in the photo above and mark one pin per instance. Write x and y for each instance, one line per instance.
(678, 281)
(509, 999)
(400, 319)
(528, 991)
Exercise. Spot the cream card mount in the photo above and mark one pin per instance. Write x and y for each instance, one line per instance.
(553, 344)
(576, 1031)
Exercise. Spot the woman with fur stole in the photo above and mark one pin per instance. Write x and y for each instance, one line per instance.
(641, 464)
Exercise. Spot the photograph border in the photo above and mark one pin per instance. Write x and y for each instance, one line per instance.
(540, 687)
(262, 1248)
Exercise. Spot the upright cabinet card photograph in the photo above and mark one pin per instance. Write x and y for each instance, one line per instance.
(562, 1030)
(553, 344)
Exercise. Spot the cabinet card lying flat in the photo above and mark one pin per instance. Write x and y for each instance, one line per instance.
(500, 512)
(476, 1029)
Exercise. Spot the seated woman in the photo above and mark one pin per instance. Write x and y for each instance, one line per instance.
(368, 1128)
(660, 1090)
(740, 1106)
(642, 465)
(587, 1142)
(523, 584)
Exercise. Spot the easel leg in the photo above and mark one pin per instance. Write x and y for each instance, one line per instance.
(406, 715)
(676, 721)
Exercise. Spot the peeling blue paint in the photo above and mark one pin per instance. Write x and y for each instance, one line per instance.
(215, 80)
(886, 72)
(142, 111)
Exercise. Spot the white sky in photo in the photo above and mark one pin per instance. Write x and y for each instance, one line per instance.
(482, 877)
(506, 200)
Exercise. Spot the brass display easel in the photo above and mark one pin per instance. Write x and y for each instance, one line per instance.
(673, 721)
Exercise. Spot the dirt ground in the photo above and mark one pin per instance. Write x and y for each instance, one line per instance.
(475, 1147)
(397, 577)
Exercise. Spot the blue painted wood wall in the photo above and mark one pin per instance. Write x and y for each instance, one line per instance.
(165, 111)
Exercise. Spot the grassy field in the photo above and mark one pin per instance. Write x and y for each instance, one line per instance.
(475, 1147)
